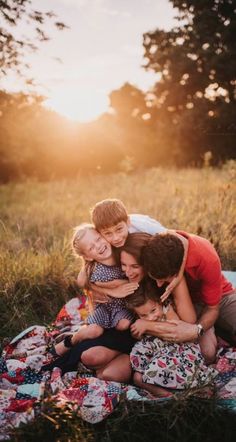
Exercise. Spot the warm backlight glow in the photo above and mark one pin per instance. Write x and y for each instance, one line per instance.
(78, 104)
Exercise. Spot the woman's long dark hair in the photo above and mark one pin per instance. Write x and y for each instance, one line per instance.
(135, 244)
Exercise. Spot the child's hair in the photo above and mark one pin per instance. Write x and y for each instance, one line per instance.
(79, 232)
(108, 213)
(146, 291)
(134, 245)
(163, 255)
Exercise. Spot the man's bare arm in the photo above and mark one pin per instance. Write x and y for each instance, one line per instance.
(173, 331)
(209, 316)
(180, 331)
(183, 303)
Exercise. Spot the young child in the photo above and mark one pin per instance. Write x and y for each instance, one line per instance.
(160, 364)
(99, 265)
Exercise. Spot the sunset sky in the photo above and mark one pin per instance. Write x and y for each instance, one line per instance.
(101, 50)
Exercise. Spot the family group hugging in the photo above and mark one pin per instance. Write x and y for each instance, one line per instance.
(158, 300)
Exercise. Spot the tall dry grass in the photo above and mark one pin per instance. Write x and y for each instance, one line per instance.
(37, 269)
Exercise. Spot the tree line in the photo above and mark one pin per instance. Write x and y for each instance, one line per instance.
(188, 113)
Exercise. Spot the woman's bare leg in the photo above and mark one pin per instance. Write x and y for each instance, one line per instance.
(97, 357)
(153, 389)
(118, 370)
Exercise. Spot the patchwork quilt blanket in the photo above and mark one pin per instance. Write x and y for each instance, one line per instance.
(23, 386)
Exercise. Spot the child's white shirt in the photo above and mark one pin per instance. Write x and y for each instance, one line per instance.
(143, 223)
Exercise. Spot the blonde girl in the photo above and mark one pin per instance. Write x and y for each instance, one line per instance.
(99, 267)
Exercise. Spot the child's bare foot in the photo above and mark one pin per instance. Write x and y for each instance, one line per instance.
(60, 348)
(61, 337)
(90, 332)
(153, 389)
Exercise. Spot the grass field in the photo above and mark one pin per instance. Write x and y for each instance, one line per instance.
(37, 269)
(37, 276)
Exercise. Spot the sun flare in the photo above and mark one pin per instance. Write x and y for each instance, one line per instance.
(78, 104)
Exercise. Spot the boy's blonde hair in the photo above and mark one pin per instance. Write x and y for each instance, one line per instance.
(79, 232)
(108, 213)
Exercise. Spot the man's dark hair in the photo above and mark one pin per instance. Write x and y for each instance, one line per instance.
(163, 256)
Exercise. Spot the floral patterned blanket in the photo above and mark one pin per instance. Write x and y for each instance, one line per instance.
(23, 386)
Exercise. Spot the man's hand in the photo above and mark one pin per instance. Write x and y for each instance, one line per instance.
(169, 289)
(175, 331)
(138, 328)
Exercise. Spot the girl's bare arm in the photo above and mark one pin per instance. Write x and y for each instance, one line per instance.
(82, 278)
(111, 284)
(121, 291)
